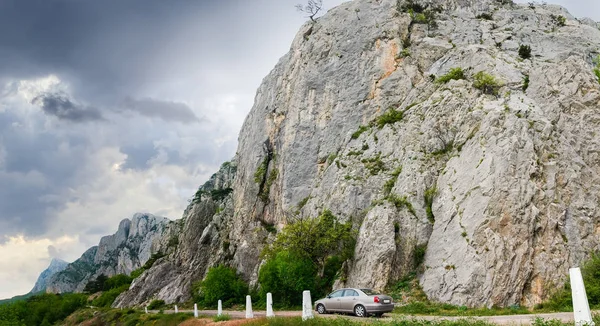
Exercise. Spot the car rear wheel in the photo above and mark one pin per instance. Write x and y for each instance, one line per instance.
(360, 311)
(321, 309)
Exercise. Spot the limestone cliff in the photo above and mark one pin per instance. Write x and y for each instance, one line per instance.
(495, 175)
(56, 266)
(128, 249)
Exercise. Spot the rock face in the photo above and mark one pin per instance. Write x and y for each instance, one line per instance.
(128, 249)
(201, 241)
(497, 183)
(56, 265)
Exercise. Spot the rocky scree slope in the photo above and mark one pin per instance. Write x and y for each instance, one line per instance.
(128, 249)
(495, 176)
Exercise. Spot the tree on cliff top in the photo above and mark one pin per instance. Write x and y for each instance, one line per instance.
(312, 8)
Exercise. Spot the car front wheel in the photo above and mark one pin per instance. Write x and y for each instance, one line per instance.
(360, 311)
(321, 309)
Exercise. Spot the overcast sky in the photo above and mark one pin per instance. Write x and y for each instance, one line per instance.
(113, 107)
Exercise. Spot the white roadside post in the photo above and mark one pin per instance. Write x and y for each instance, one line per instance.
(176, 310)
(307, 311)
(249, 313)
(195, 310)
(219, 308)
(146, 309)
(581, 307)
(270, 305)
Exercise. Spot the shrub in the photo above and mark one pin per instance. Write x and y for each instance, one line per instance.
(558, 20)
(485, 16)
(454, 73)
(359, 132)
(221, 283)
(525, 83)
(391, 116)
(108, 297)
(307, 253)
(419, 254)
(286, 275)
(156, 304)
(525, 51)
(428, 198)
(487, 83)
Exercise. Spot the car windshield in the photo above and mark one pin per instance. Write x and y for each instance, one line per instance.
(369, 291)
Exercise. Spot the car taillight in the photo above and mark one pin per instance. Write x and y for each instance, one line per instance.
(376, 299)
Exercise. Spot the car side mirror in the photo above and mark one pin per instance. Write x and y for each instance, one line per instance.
(328, 296)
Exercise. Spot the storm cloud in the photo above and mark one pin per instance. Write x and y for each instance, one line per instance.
(166, 110)
(63, 108)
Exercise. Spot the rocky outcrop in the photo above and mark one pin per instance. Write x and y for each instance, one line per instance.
(56, 265)
(201, 241)
(129, 248)
(496, 181)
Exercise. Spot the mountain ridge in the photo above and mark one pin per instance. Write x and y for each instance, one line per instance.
(491, 172)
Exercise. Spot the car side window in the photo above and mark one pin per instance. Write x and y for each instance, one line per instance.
(336, 294)
(350, 293)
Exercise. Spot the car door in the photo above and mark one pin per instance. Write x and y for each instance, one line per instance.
(332, 303)
(348, 300)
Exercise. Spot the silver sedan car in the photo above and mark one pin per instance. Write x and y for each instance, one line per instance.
(361, 302)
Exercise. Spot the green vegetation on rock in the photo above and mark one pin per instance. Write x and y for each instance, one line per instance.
(453, 74)
(487, 83)
(391, 116)
(525, 51)
(359, 132)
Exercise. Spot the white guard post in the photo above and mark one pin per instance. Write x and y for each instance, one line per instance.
(249, 313)
(307, 310)
(195, 310)
(581, 307)
(176, 310)
(270, 305)
(219, 308)
(146, 309)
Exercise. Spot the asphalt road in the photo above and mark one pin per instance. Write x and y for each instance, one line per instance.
(500, 320)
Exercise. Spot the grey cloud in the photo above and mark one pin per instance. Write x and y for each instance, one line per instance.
(165, 110)
(60, 106)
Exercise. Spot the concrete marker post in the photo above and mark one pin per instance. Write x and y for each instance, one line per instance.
(176, 310)
(270, 305)
(146, 309)
(249, 313)
(195, 310)
(581, 306)
(307, 311)
(219, 308)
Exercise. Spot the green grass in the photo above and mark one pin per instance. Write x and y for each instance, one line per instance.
(443, 309)
(223, 317)
(318, 321)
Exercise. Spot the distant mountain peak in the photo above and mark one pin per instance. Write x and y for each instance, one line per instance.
(56, 265)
